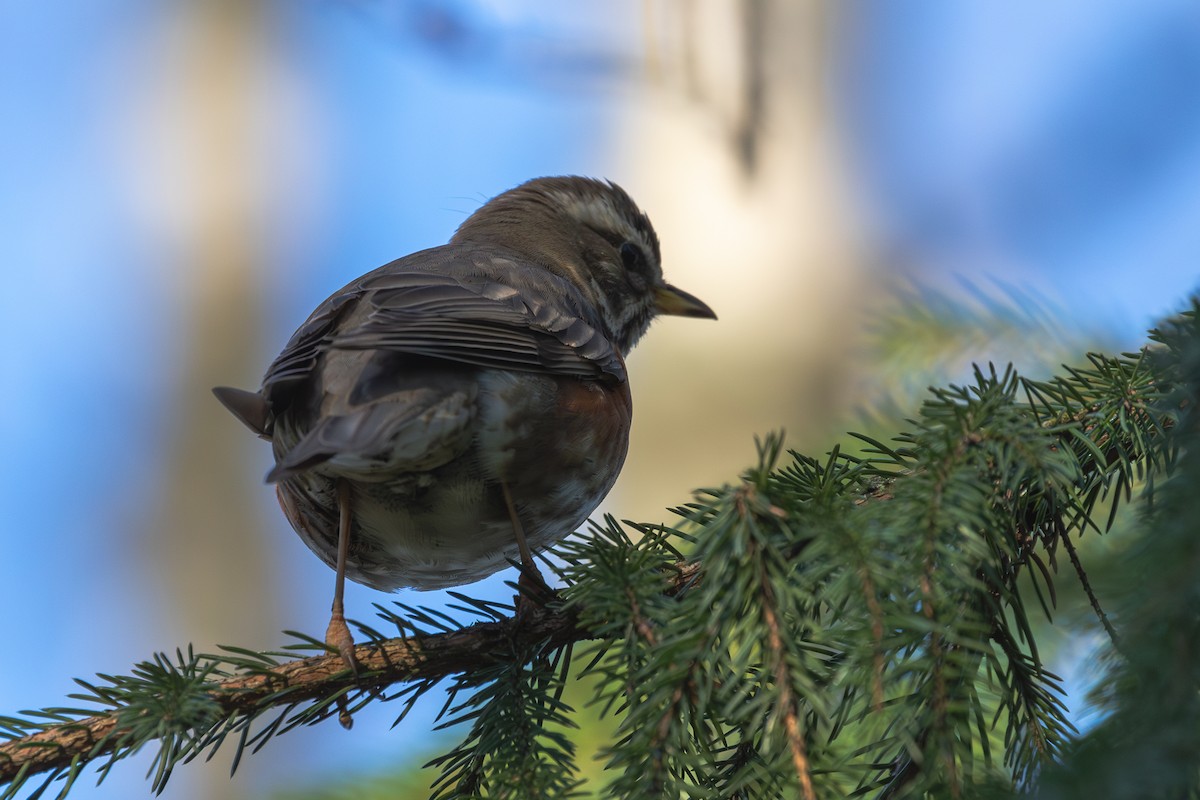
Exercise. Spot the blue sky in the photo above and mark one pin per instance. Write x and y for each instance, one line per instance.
(1052, 144)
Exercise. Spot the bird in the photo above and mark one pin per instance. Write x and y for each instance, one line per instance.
(466, 406)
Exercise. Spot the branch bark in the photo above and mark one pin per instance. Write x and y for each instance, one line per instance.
(382, 664)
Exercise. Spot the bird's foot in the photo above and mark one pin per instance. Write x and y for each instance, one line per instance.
(533, 592)
(338, 636)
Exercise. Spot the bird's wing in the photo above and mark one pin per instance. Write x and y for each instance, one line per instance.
(408, 431)
(453, 304)
(296, 362)
(481, 308)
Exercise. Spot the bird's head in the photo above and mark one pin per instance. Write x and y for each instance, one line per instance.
(593, 234)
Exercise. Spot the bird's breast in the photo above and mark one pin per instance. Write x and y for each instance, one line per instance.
(537, 432)
(557, 443)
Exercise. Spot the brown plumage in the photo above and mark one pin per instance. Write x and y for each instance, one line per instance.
(422, 393)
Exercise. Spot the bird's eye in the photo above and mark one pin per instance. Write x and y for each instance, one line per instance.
(632, 257)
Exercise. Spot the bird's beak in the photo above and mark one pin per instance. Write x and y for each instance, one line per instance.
(678, 303)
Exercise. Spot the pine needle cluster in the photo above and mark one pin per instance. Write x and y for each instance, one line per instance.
(860, 624)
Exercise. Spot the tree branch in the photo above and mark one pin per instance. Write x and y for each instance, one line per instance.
(75, 738)
(421, 657)
(381, 664)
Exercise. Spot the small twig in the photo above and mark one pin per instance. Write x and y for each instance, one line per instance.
(791, 717)
(783, 681)
(1087, 587)
(876, 612)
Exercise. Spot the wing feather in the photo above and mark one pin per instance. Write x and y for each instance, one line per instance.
(485, 320)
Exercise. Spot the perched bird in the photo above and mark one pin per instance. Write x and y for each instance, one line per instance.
(467, 404)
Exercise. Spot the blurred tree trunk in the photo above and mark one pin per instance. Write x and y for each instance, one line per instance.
(729, 140)
(206, 535)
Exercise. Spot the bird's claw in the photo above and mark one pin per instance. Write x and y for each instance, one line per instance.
(338, 636)
(533, 592)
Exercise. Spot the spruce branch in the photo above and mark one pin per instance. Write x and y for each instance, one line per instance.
(818, 628)
(243, 688)
(1086, 583)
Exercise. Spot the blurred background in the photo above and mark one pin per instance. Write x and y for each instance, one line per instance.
(870, 195)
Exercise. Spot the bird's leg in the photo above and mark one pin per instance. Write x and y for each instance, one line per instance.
(338, 633)
(531, 580)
